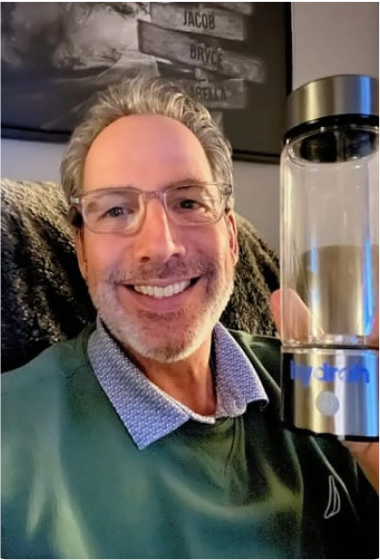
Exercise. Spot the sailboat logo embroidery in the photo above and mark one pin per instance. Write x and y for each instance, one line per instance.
(333, 506)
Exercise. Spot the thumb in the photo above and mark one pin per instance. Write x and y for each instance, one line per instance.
(275, 303)
(297, 322)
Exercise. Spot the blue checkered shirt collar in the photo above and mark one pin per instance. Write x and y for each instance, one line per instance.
(149, 413)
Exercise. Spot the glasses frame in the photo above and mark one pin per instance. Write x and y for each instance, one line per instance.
(77, 207)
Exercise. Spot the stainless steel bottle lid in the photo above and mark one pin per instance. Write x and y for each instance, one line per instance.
(332, 96)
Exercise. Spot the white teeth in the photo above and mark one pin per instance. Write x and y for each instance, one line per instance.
(158, 292)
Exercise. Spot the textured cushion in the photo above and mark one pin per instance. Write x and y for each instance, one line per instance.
(44, 298)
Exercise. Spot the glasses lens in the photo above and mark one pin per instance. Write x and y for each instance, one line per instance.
(195, 203)
(113, 211)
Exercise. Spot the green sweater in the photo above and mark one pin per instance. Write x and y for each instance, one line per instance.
(74, 484)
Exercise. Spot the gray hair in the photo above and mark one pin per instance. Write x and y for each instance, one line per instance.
(145, 96)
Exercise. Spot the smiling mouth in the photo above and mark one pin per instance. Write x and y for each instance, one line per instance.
(163, 292)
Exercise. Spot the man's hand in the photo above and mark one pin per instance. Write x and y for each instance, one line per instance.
(366, 454)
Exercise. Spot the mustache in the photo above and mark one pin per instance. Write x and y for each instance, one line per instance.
(170, 270)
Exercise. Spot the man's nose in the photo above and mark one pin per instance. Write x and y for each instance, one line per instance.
(159, 238)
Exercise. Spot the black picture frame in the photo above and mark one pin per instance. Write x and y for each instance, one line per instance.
(235, 57)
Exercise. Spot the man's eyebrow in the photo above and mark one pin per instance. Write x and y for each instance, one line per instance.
(178, 183)
(115, 187)
(186, 181)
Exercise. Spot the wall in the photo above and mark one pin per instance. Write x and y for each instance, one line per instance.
(328, 38)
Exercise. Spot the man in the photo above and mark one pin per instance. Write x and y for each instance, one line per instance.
(157, 433)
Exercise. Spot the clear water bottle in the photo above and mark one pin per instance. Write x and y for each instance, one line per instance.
(330, 257)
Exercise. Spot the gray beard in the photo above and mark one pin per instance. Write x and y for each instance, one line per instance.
(133, 334)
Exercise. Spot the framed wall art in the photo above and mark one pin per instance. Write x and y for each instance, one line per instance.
(234, 57)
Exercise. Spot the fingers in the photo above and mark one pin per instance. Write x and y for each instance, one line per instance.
(294, 321)
(374, 337)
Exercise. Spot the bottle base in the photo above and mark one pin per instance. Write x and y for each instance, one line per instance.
(330, 391)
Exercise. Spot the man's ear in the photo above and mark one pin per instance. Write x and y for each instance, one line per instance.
(233, 235)
(80, 251)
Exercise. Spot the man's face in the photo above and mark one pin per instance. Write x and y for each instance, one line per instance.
(150, 153)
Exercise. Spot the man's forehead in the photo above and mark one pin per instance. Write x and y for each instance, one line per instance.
(145, 149)
(134, 128)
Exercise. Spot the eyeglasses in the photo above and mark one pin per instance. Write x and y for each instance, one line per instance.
(122, 210)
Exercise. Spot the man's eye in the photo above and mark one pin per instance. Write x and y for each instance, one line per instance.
(116, 212)
(189, 204)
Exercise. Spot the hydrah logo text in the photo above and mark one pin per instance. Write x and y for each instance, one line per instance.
(355, 373)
